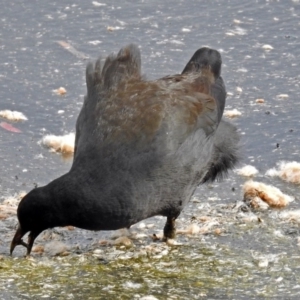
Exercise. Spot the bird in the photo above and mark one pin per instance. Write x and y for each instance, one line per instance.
(141, 148)
(226, 154)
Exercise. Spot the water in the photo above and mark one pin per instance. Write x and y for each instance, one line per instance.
(233, 259)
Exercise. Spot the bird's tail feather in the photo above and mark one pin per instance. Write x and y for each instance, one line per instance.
(226, 152)
(116, 68)
(126, 65)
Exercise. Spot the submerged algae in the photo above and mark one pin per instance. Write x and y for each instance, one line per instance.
(187, 272)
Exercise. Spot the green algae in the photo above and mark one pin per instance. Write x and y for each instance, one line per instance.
(187, 272)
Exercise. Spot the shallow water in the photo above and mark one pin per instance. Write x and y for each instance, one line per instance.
(247, 259)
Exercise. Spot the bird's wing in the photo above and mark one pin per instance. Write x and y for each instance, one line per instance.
(218, 91)
(122, 109)
(190, 105)
(225, 154)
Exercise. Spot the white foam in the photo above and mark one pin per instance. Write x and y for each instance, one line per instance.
(291, 215)
(59, 143)
(288, 171)
(247, 171)
(13, 115)
(232, 113)
(267, 193)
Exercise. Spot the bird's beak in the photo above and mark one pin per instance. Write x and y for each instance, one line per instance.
(17, 240)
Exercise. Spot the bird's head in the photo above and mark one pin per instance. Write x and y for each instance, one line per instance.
(36, 212)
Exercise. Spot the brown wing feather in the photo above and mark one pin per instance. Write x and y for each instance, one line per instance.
(139, 109)
(131, 110)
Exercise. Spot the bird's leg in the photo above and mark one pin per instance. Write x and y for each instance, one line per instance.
(31, 238)
(169, 229)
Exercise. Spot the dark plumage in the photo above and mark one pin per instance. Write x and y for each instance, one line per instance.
(141, 148)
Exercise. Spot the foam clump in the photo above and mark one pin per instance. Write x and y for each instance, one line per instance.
(190, 230)
(257, 194)
(288, 171)
(148, 297)
(55, 248)
(232, 113)
(14, 200)
(12, 115)
(60, 91)
(291, 216)
(9, 205)
(247, 171)
(194, 229)
(60, 143)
